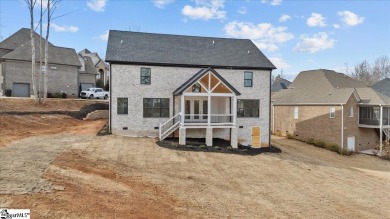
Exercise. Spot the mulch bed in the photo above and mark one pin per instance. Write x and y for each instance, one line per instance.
(219, 146)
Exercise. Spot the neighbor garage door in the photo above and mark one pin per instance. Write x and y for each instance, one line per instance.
(21, 90)
(85, 86)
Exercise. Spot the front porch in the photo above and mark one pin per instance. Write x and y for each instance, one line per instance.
(206, 101)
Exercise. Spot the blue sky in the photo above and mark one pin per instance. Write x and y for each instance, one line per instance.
(296, 35)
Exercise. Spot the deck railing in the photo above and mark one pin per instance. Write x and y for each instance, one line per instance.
(203, 118)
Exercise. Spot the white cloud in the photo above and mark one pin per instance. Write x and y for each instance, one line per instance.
(104, 36)
(64, 28)
(316, 20)
(242, 10)
(314, 43)
(97, 5)
(279, 63)
(336, 26)
(349, 18)
(272, 2)
(264, 35)
(162, 3)
(205, 10)
(284, 18)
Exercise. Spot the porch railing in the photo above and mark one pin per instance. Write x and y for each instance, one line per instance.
(370, 121)
(203, 118)
(169, 126)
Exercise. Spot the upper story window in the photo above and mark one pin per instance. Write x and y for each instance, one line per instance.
(296, 112)
(122, 105)
(248, 79)
(351, 111)
(332, 113)
(146, 74)
(156, 107)
(248, 108)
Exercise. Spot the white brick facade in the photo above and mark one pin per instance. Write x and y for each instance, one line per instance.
(125, 81)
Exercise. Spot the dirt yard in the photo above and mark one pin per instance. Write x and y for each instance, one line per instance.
(69, 172)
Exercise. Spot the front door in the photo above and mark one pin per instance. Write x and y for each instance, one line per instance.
(196, 110)
(256, 137)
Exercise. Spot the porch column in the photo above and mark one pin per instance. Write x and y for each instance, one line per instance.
(234, 109)
(209, 136)
(381, 131)
(233, 139)
(182, 136)
(209, 110)
(182, 110)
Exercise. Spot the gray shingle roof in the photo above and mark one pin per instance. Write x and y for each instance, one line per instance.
(57, 55)
(370, 96)
(164, 49)
(319, 87)
(383, 87)
(279, 85)
(19, 38)
(89, 67)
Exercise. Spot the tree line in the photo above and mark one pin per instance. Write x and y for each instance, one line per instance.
(371, 73)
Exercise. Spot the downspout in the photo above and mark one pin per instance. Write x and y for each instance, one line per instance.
(381, 130)
(269, 117)
(273, 119)
(342, 126)
(110, 115)
(173, 111)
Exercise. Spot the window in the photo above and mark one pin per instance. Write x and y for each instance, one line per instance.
(332, 113)
(248, 79)
(122, 105)
(248, 108)
(296, 112)
(351, 111)
(146, 75)
(156, 107)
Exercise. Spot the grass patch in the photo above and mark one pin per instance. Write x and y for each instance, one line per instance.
(319, 143)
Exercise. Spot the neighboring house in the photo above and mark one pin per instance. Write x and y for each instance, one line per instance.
(101, 67)
(330, 106)
(191, 87)
(383, 87)
(279, 85)
(87, 73)
(15, 65)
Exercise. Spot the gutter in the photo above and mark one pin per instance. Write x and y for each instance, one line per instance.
(110, 115)
(307, 104)
(342, 126)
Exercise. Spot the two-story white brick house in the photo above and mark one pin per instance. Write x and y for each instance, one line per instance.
(189, 87)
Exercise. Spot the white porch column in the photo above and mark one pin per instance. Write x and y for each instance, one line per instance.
(209, 136)
(233, 139)
(209, 110)
(182, 110)
(234, 109)
(381, 131)
(182, 136)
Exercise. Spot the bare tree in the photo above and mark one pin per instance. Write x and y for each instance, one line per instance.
(363, 73)
(382, 67)
(51, 7)
(30, 6)
(278, 77)
(40, 56)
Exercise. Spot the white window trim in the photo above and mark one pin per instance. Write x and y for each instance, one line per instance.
(296, 112)
(351, 111)
(332, 109)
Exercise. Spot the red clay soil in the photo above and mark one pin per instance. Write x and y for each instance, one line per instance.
(16, 127)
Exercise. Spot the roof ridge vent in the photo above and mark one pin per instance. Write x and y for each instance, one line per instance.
(213, 42)
(121, 42)
(249, 51)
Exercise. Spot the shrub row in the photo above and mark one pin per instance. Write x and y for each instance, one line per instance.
(57, 95)
(332, 147)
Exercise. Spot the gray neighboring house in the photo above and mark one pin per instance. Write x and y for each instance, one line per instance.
(383, 87)
(87, 73)
(101, 67)
(15, 66)
(189, 87)
(279, 85)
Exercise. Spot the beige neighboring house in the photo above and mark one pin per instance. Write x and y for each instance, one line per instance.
(189, 87)
(101, 67)
(87, 73)
(330, 106)
(15, 66)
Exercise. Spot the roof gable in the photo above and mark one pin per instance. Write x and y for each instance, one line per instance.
(19, 38)
(194, 79)
(383, 87)
(164, 49)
